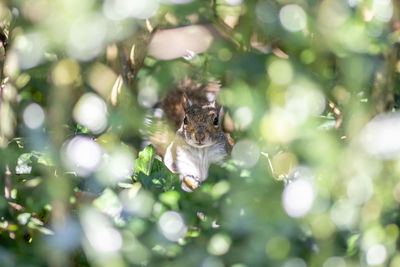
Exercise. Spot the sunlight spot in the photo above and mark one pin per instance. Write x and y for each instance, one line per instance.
(295, 262)
(360, 190)
(334, 262)
(322, 226)
(219, 244)
(293, 17)
(67, 235)
(280, 71)
(91, 112)
(278, 125)
(233, 2)
(332, 15)
(396, 192)
(33, 116)
(376, 255)
(178, 2)
(86, 38)
(212, 262)
(354, 3)
(344, 214)
(246, 153)
(220, 189)
(283, 163)
(83, 155)
(243, 117)
(382, 10)
(298, 198)
(122, 9)
(224, 54)
(65, 72)
(137, 201)
(29, 49)
(101, 78)
(380, 137)
(147, 96)
(304, 102)
(172, 226)
(277, 248)
(118, 166)
(101, 236)
(266, 11)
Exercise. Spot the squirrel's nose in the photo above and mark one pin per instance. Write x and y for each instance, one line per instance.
(200, 136)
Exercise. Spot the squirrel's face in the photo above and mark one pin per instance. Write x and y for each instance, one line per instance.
(201, 126)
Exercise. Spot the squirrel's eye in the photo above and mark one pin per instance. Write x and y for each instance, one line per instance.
(215, 121)
(185, 120)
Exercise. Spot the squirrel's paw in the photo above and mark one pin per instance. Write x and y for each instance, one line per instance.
(189, 183)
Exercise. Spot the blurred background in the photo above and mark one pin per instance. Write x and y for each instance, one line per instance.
(312, 93)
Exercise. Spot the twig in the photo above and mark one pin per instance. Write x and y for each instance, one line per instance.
(133, 53)
(338, 113)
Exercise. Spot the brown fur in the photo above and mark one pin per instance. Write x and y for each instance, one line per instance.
(172, 104)
(199, 139)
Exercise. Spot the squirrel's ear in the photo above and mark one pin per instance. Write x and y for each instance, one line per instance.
(186, 103)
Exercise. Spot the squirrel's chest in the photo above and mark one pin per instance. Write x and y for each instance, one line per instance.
(196, 161)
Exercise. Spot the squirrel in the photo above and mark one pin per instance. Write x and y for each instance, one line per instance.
(199, 140)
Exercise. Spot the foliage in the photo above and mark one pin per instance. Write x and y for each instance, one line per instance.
(311, 90)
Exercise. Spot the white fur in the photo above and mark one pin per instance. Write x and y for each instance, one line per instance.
(194, 161)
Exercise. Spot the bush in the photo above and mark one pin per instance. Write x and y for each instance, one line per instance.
(311, 90)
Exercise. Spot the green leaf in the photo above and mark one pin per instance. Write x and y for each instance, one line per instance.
(24, 164)
(23, 218)
(170, 198)
(352, 245)
(108, 203)
(144, 161)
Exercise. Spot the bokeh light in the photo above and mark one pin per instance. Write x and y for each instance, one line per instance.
(148, 93)
(298, 198)
(29, 49)
(246, 153)
(212, 262)
(266, 12)
(312, 88)
(277, 248)
(304, 102)
(376, 254)
(295, 262)
(360, 190)
(172, 225)
(382, 10)
(219, 244)
(380, 136)
(181, 42)
(65, 72)
(334, 262)
(178, 2)
(293, 17)
(101, 235)
(243, 117)
(122, 9)
(33, 116)
(67, 235)
(117, 166)
(279, 125)
(280, 71)
(91, 112)
(344, 214)
(233, 2)
(86, 38)
(137, 201)
(82, 155)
